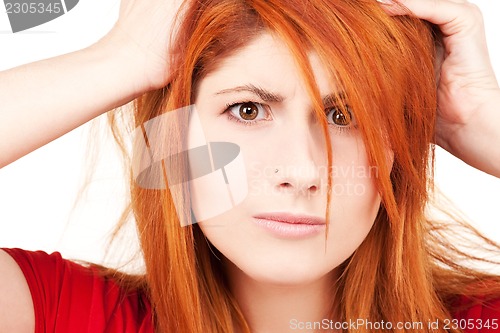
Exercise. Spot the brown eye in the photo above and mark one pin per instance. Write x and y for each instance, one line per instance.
(341, 117)
(248, 111)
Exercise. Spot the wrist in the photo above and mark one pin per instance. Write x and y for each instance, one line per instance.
(475, 141)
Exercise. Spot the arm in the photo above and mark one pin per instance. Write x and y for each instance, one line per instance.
(41, 101)
(16, 306)
(468, 118)
(44, 100)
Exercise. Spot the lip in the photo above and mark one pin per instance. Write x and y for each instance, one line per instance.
(286, 225)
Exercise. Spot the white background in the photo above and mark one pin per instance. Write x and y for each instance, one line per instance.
(38, 207)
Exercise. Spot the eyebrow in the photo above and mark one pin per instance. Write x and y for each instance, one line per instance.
(268, 96)
(263, 94)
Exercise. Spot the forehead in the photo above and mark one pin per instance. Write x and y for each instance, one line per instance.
(267, 61)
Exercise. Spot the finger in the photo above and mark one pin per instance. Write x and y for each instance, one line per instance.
(452, 16)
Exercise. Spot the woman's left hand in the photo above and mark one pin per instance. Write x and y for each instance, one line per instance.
(468, 119)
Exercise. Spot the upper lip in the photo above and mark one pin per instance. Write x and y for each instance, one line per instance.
(291, 218)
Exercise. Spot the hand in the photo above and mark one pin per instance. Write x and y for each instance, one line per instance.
(130, 60)
(142, 36)
(468, 118)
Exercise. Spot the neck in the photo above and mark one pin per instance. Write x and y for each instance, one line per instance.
(277, 308)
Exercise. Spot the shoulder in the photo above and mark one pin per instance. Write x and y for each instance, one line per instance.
(477, 315)
(70, 297)
(16, 307)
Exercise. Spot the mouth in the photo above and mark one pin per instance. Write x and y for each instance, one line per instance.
(287, 225)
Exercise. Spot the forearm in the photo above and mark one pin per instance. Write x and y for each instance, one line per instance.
(41, 101)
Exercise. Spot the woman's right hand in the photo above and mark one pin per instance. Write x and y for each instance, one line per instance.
(143, 34)
(69, 90)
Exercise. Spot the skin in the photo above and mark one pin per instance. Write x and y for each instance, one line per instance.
(127, 63)
(276, 279)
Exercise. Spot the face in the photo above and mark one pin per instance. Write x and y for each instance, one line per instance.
(256, 99)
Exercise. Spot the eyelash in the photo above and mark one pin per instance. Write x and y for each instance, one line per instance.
(231, 117)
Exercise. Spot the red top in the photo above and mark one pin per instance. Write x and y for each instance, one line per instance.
(478, 318)
(69, 297)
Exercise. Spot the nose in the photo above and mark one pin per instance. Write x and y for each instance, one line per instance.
(302, 160)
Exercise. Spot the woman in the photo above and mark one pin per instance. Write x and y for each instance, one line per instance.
(307, 89)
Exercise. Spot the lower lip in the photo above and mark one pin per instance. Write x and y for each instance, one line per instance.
(289, 230)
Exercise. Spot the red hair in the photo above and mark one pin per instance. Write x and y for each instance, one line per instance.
(404, 271)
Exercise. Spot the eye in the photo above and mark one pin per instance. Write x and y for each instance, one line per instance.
(247, 112)
(340, 116)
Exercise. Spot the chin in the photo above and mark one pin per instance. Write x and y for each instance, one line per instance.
(290, 280)
(286, 274)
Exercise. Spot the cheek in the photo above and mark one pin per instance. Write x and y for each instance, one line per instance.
(354, 205)
(221, 168)
(218, 178)
(352, 216)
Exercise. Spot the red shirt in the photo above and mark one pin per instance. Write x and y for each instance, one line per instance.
(479, 318)
(69, 297)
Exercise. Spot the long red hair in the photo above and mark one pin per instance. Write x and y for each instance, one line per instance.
(405, 270)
